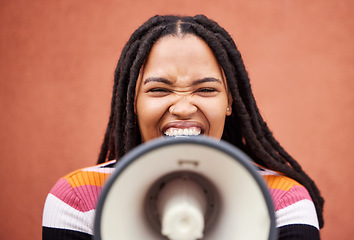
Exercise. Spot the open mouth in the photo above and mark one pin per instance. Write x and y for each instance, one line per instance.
(192, 131)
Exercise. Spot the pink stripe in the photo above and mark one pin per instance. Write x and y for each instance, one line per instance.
(276, 194)
(83, 198)
(90, 194)
(283, 199)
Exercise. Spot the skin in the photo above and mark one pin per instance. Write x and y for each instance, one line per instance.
(181, 86)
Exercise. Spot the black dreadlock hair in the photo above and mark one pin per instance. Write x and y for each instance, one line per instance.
(245, 128)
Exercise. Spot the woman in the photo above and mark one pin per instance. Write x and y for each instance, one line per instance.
(184, 76)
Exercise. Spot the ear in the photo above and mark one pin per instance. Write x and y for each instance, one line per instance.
(229, 105)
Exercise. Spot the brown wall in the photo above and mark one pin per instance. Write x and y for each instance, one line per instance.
(56, 65)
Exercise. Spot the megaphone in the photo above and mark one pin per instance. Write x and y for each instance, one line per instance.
(185, 189)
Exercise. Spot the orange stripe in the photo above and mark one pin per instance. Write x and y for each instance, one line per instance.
(81, 178)
(280, 182)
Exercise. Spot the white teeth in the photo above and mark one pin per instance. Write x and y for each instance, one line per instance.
(193, 131)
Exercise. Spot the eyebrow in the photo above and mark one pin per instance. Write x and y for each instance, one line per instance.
(166, 81)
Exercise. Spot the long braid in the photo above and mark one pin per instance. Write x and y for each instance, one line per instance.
(254, 136)
(108, 135)
(127, 56)
(121, 101)
(130, 121)
(304, 178)
(108, 139)
(245, 129)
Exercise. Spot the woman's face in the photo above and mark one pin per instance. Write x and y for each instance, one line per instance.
(181, 90)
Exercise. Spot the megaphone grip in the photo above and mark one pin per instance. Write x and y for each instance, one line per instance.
(182, 207)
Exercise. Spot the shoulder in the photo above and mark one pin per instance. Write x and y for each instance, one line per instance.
(72, 201)
(95, 175)
(281, 186)
(292, 202)
(84, 183)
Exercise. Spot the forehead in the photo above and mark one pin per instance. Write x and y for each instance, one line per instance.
(175, 47)
(188, 55)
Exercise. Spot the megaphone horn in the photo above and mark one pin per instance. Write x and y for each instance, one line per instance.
(185, 189)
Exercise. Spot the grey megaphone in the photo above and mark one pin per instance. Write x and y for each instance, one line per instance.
(185, 189)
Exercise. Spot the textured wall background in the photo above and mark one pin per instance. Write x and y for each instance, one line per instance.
(56, 68)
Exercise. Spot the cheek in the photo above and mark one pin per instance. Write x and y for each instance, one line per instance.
(149, 113)
(150, 108)
(217, 122)
(215, 113)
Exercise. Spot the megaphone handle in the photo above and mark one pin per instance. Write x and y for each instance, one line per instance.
(182, 207)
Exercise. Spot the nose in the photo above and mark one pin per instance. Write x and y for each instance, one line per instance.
(183, 107)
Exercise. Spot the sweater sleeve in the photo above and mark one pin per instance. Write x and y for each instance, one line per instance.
(66, 215)
(69, 209)
(295, 212)
(296, 215)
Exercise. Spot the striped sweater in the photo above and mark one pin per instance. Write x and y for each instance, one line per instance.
(70, 206)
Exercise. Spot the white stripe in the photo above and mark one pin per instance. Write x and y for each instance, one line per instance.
(302, 212)
(58, 214)
(100, 168)
(267, 172)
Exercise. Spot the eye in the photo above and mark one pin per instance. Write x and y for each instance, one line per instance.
(159, 92)
(206, 91)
